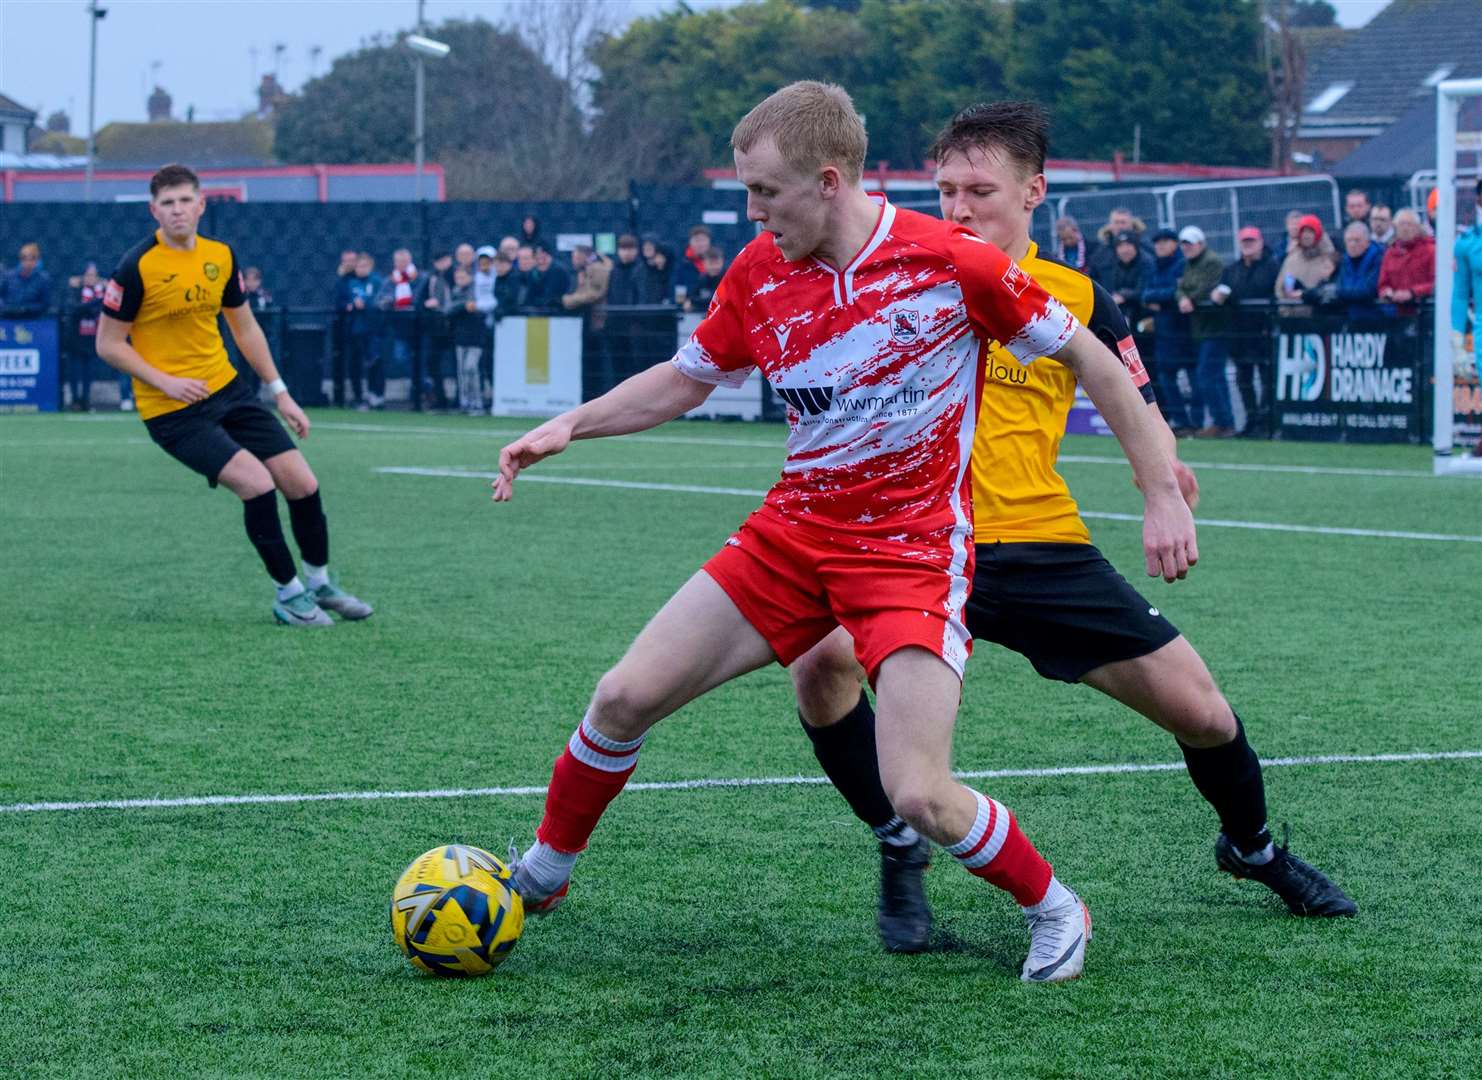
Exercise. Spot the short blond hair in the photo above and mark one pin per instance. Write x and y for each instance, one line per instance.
(813, 124)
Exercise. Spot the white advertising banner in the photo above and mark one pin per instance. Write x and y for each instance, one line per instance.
(740, 403)
(537, 366)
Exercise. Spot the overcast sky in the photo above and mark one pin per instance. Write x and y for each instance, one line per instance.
(211, 53)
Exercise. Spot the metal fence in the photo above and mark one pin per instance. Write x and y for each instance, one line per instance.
(1220, 208)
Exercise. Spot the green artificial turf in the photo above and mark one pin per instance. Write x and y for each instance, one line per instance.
(717, 932)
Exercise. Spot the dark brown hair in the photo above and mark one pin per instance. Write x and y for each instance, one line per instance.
(172, 176)
(1019, 130)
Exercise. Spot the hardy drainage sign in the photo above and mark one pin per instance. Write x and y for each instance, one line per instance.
(1337, 381)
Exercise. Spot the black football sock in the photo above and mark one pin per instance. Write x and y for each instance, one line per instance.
(260, 516)
(310, 529)
(1229, 778)
(846, 751)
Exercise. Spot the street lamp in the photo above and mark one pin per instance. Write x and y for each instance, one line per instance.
(424, 49)
(95, 13)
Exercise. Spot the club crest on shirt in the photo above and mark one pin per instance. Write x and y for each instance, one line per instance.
(212, 271)
(905, 327)
(1015, 279)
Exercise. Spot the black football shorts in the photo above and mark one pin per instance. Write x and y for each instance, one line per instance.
(1063, 606)
(206, 435)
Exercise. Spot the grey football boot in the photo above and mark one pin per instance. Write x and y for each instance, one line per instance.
(331, 597)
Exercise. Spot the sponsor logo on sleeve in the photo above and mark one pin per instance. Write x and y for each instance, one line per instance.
(113, 295)
(1015, 279)
(1132, 361)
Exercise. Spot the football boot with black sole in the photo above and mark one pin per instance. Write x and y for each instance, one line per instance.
(1304, 889)
(905, 916)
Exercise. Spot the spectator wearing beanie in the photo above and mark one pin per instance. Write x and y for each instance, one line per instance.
(1130, 269)
(1172, 348)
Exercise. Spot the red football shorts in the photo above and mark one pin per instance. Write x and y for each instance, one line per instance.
(795, 583)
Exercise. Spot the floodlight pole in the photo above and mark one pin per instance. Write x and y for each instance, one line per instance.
(1448, 108)
(417, 132)
(420, 124)
(92, 97)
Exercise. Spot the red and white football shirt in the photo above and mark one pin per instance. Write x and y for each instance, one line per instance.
(878, 364)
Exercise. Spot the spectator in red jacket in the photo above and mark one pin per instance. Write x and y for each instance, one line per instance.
(1408, 272)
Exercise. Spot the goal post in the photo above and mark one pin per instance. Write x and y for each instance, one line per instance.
(1450, 97)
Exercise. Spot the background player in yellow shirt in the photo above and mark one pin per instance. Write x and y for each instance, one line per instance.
(1041, 588)
(160, 328)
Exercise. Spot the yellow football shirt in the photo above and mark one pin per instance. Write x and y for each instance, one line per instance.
(172, 298)
(1018, 497)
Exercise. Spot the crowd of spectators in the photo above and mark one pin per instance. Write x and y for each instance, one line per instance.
(1203, 313)
(1196, 314)
(438, 324)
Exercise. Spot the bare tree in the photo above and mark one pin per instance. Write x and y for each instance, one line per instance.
(1286, 73)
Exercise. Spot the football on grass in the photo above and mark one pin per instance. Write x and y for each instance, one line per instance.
(455, 912)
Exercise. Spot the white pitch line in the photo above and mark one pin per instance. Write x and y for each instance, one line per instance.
(1078, 459)
(697, 489)
(501, 433)
(1321, 530)
(1231, 466)
(705, 784)
(682, 440)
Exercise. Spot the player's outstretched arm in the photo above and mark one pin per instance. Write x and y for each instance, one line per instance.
(114, 348)
(1168, 540)
(254, 345)
(646, 400)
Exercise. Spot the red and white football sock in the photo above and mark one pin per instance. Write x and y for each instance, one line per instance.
(995, 850)
(588, 775)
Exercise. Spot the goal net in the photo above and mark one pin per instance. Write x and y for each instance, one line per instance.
(1457, 404)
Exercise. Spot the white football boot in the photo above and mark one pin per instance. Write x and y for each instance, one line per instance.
(1057, 942)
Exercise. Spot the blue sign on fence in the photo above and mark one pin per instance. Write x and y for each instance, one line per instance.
(30, 373)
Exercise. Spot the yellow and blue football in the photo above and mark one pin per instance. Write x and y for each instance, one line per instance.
(455, 912)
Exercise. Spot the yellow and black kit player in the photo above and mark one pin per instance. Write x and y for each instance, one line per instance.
(1040, 587)
(160, 327)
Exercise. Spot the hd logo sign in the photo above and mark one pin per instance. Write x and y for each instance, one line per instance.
(1301, 367)
(1340, 367)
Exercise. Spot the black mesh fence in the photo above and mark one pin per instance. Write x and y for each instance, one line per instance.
(1268, 371)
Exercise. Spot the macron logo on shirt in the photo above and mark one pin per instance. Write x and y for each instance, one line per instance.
(812, 400)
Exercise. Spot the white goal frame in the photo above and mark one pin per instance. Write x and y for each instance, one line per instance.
(1449, 95)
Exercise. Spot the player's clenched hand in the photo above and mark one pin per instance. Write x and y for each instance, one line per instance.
(1168, 541)
(550, 438)
(187, 390)
(293, 415)
(1188, 483)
